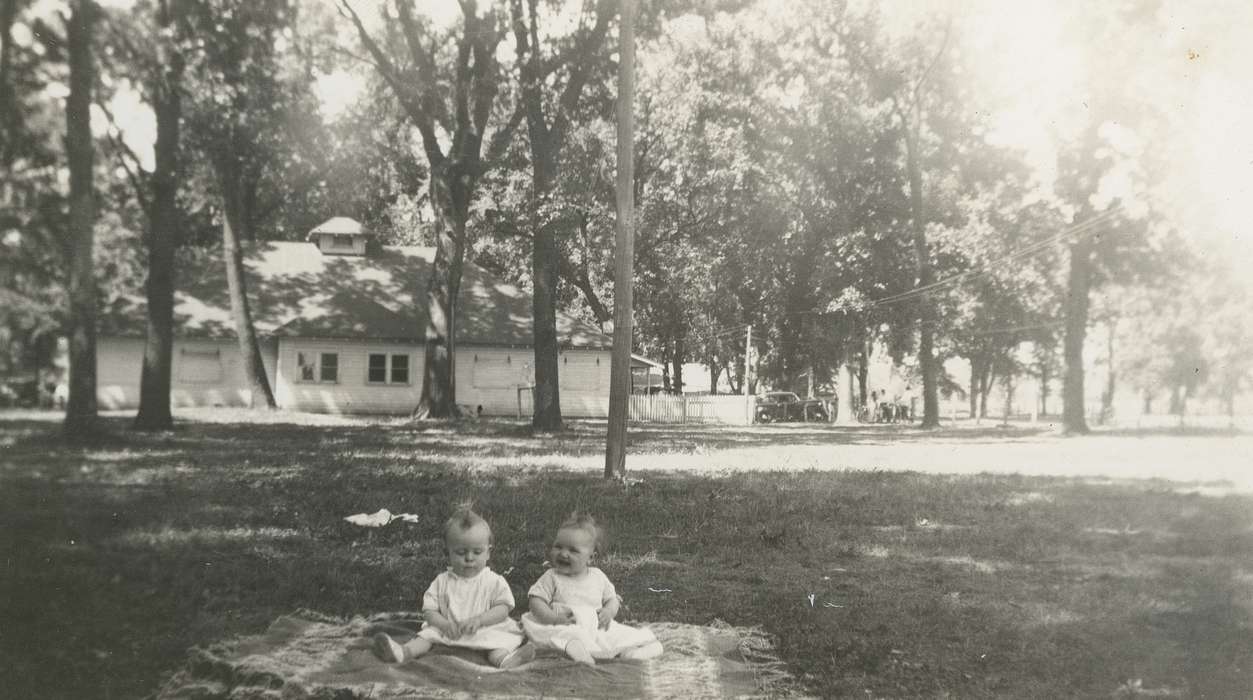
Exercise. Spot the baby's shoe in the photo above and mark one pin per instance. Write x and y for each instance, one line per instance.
(387, 649)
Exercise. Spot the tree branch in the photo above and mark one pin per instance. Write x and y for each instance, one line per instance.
(138, 177)
(500, 140)
(527, 50)
(413, 104)
(580, 69)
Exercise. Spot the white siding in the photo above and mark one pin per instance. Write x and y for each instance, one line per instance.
(490, 377)
(326, 243)
(486, 376)
(351, 393)
(583, 378)
(119, 362)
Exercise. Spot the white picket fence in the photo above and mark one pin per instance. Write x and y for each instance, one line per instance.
(666, 408)
(654, 408)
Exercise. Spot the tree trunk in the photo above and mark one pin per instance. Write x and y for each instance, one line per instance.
(1107, 397)
(154, 384)
(439, 386)
(678, 359)
(844, 412)
(863, 376)
(1148, 402)
(714, 373)
(81, 411)
(547, 415)
(1078, 284)
(10, 112)
(985, 388)
(924, 277)
(1008, 382)
(809, 388)
(1044, 388)
(233, 224)
(438, 398)
(976, 372)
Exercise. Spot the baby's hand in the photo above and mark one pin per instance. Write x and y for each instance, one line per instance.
(452, 630)
(565, 616)
(470, 626)
(605, 616)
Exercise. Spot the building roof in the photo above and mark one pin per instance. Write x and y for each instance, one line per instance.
(341, 225)
(296, 291)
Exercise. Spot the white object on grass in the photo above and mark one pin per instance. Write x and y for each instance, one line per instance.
(380, 518)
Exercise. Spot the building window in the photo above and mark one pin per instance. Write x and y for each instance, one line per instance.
(341, 241)
(329, 367)
(318, 367)
(387, 369)
(307, 365)
(376, 373)
(400, 369)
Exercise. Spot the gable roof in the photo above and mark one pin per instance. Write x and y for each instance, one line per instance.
(296, 291)
(340, 225)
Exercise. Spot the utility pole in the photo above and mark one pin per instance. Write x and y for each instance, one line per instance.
(624, 268)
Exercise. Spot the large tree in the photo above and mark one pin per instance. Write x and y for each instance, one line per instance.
(238, 115)
(159, 68)
(81, 413)
(1103, 173)
(549, 118)
(449, 99)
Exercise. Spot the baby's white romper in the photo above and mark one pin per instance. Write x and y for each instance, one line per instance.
(583, 596)
(459, 599)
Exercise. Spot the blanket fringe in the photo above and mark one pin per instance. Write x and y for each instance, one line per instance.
(758, 647)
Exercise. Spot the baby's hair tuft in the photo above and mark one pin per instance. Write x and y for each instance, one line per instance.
(579, 520)
(463, 518)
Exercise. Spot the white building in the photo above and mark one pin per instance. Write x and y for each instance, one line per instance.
(342, 327)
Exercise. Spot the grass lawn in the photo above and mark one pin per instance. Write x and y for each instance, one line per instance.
(890, 582)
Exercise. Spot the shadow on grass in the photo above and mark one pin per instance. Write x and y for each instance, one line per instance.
(118, 557)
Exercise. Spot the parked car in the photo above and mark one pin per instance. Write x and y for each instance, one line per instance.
(779, 406)
(23, 392)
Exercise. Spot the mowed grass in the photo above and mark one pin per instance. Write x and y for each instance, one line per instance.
(119, 556)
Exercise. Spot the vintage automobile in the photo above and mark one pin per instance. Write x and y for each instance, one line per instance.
(779, 406)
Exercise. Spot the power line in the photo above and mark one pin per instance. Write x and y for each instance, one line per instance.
(1083, 229)
(1015, 329)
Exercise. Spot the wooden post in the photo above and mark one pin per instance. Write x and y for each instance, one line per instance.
(748, 349)
(624, 268)
(844, 413)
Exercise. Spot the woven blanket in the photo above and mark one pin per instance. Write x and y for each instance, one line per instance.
(308, 655)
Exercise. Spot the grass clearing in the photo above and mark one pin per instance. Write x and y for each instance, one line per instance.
(884, 582)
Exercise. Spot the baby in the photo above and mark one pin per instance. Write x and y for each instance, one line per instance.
(573, 605)
(466, 606)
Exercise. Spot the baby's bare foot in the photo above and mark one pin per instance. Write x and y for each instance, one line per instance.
(387, 649)
(517, 657)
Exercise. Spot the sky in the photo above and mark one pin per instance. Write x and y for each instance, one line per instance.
(1194, 69)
